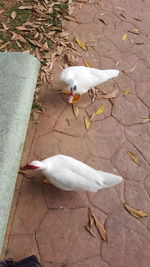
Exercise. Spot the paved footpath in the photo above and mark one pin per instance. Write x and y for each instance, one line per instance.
(49, 222)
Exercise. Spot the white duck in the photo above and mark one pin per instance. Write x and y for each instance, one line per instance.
(70, 174)
(79, 79)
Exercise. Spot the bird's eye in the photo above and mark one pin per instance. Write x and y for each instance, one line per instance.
(75, 88)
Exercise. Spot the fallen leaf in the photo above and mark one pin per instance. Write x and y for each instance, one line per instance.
(111, 95)
(91, 221)
(88, 64)
(82, 1)
(124, 37)
(5, 27)
(139, 43)
(59, 50)
(126, 91)
(137, 19)
(146, 120)
(71, 18)
(2, 11)
(25, 174)
(4, 45)
(75, 110)
(46, 181)
(25, 7)
(133, 157)
(99, 227)
(100, 110)
(87, 123)
(135, 31)
(103, 21)
(21, 28)
(81, 44)
(63, 34)
(16, 36)
(89, 230)
(136, 213)
(13, 14)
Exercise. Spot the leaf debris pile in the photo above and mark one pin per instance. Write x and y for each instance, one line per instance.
(36, 27)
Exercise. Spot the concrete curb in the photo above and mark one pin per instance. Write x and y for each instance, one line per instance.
(18, 77)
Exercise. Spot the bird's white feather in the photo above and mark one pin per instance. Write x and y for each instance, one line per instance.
(85, 78)
(70, 174)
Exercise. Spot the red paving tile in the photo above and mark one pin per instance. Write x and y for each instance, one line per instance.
(49, 222)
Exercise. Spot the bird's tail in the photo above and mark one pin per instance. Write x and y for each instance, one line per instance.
(110, 73)
(110, 179)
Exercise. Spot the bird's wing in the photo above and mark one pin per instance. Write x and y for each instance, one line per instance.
(70, 174)
(110, 179)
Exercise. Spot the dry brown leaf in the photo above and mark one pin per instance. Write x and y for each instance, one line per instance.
(126, 91)
(16, 36)
(82, 1)
(75, 110)
(91, 221)
(5, 27)
(99, 226)
(136, 213)
(133, 157)
(21, 28)
(87, 123)
(4, 45)
(88, 64)
(13, 14)
(71, 18)
(59, 50)
(25, 7)
(46, 181)
(81, 44)
(124, 37)
(111, 95)
(103, 21)
(25, 174)
(19, 45)
(2, 11)
(63, 34)
(135, 31)
(146, 120)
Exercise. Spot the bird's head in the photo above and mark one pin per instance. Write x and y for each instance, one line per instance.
(34, 165)
(73, 88)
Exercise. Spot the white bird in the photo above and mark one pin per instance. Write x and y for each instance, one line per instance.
(79, 79)
(70, 174)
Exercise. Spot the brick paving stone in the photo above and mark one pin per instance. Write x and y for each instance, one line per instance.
(66, 239)
(21, 246)
(30, 209)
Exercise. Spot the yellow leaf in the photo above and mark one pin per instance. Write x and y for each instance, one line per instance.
(81, 44)
(124, 36)
(126, 91)
(133, 156)
(88, 64)
(136, 213)
(75, 110)
(87, 123)
(100, 110)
